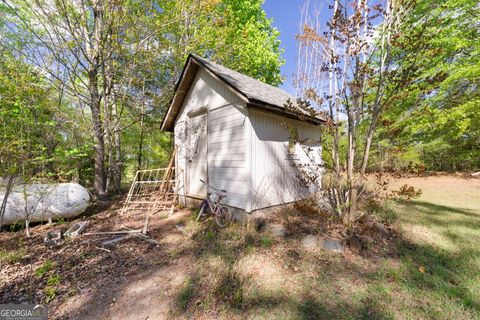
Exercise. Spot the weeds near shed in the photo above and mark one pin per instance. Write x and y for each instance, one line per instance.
(194, 214)
(51, 287)
(12, 257)
(210, 235)
(53, 280)
(266, 242)
(186, 294)
(44, 268)
(230, 290)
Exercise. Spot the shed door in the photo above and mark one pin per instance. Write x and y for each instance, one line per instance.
(197, 158)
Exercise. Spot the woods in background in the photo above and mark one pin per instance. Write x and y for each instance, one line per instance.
(398, 82)
(433, 123)
(84, 84)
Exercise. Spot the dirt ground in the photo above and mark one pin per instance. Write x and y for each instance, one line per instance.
(198, 271)
(117, 281)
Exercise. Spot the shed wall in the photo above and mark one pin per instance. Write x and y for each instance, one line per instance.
(227, 138)
(275, 170)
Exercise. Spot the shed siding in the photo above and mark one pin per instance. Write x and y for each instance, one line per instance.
(227, 136)
(273, 173)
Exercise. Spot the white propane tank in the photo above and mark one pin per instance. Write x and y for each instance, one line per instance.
(44, 201)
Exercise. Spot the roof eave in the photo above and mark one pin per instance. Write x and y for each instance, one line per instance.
(190, 68)
(281, 111)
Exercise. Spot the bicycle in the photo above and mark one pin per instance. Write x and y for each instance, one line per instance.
(213, 204)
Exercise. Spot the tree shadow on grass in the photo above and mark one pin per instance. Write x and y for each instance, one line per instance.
(447, 276)
(440, 272)
(443, 220)
(444, 272)
(435, 209)
(367, 309)
(232, 292)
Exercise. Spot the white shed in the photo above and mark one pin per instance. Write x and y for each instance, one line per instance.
(235, 133)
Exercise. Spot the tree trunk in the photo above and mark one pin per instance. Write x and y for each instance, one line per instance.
(352, 208)
(140, 145)
(93, 55)
(368, 144)
(27, 228)
(350, 214)
(118, 167)
(107, 135)
(3, 207)
(117, 163)
(99, 183)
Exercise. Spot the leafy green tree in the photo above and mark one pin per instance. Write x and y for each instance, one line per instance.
(234, 33)
(39, 139)
(121, 59)
(435, 120)
(28, 129)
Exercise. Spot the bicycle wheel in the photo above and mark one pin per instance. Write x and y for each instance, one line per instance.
(203, 210)
(223, 216)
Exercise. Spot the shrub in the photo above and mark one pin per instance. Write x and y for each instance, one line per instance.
(406, 192)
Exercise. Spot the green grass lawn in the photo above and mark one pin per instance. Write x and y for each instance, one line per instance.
(434, 273)
(444, 226)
